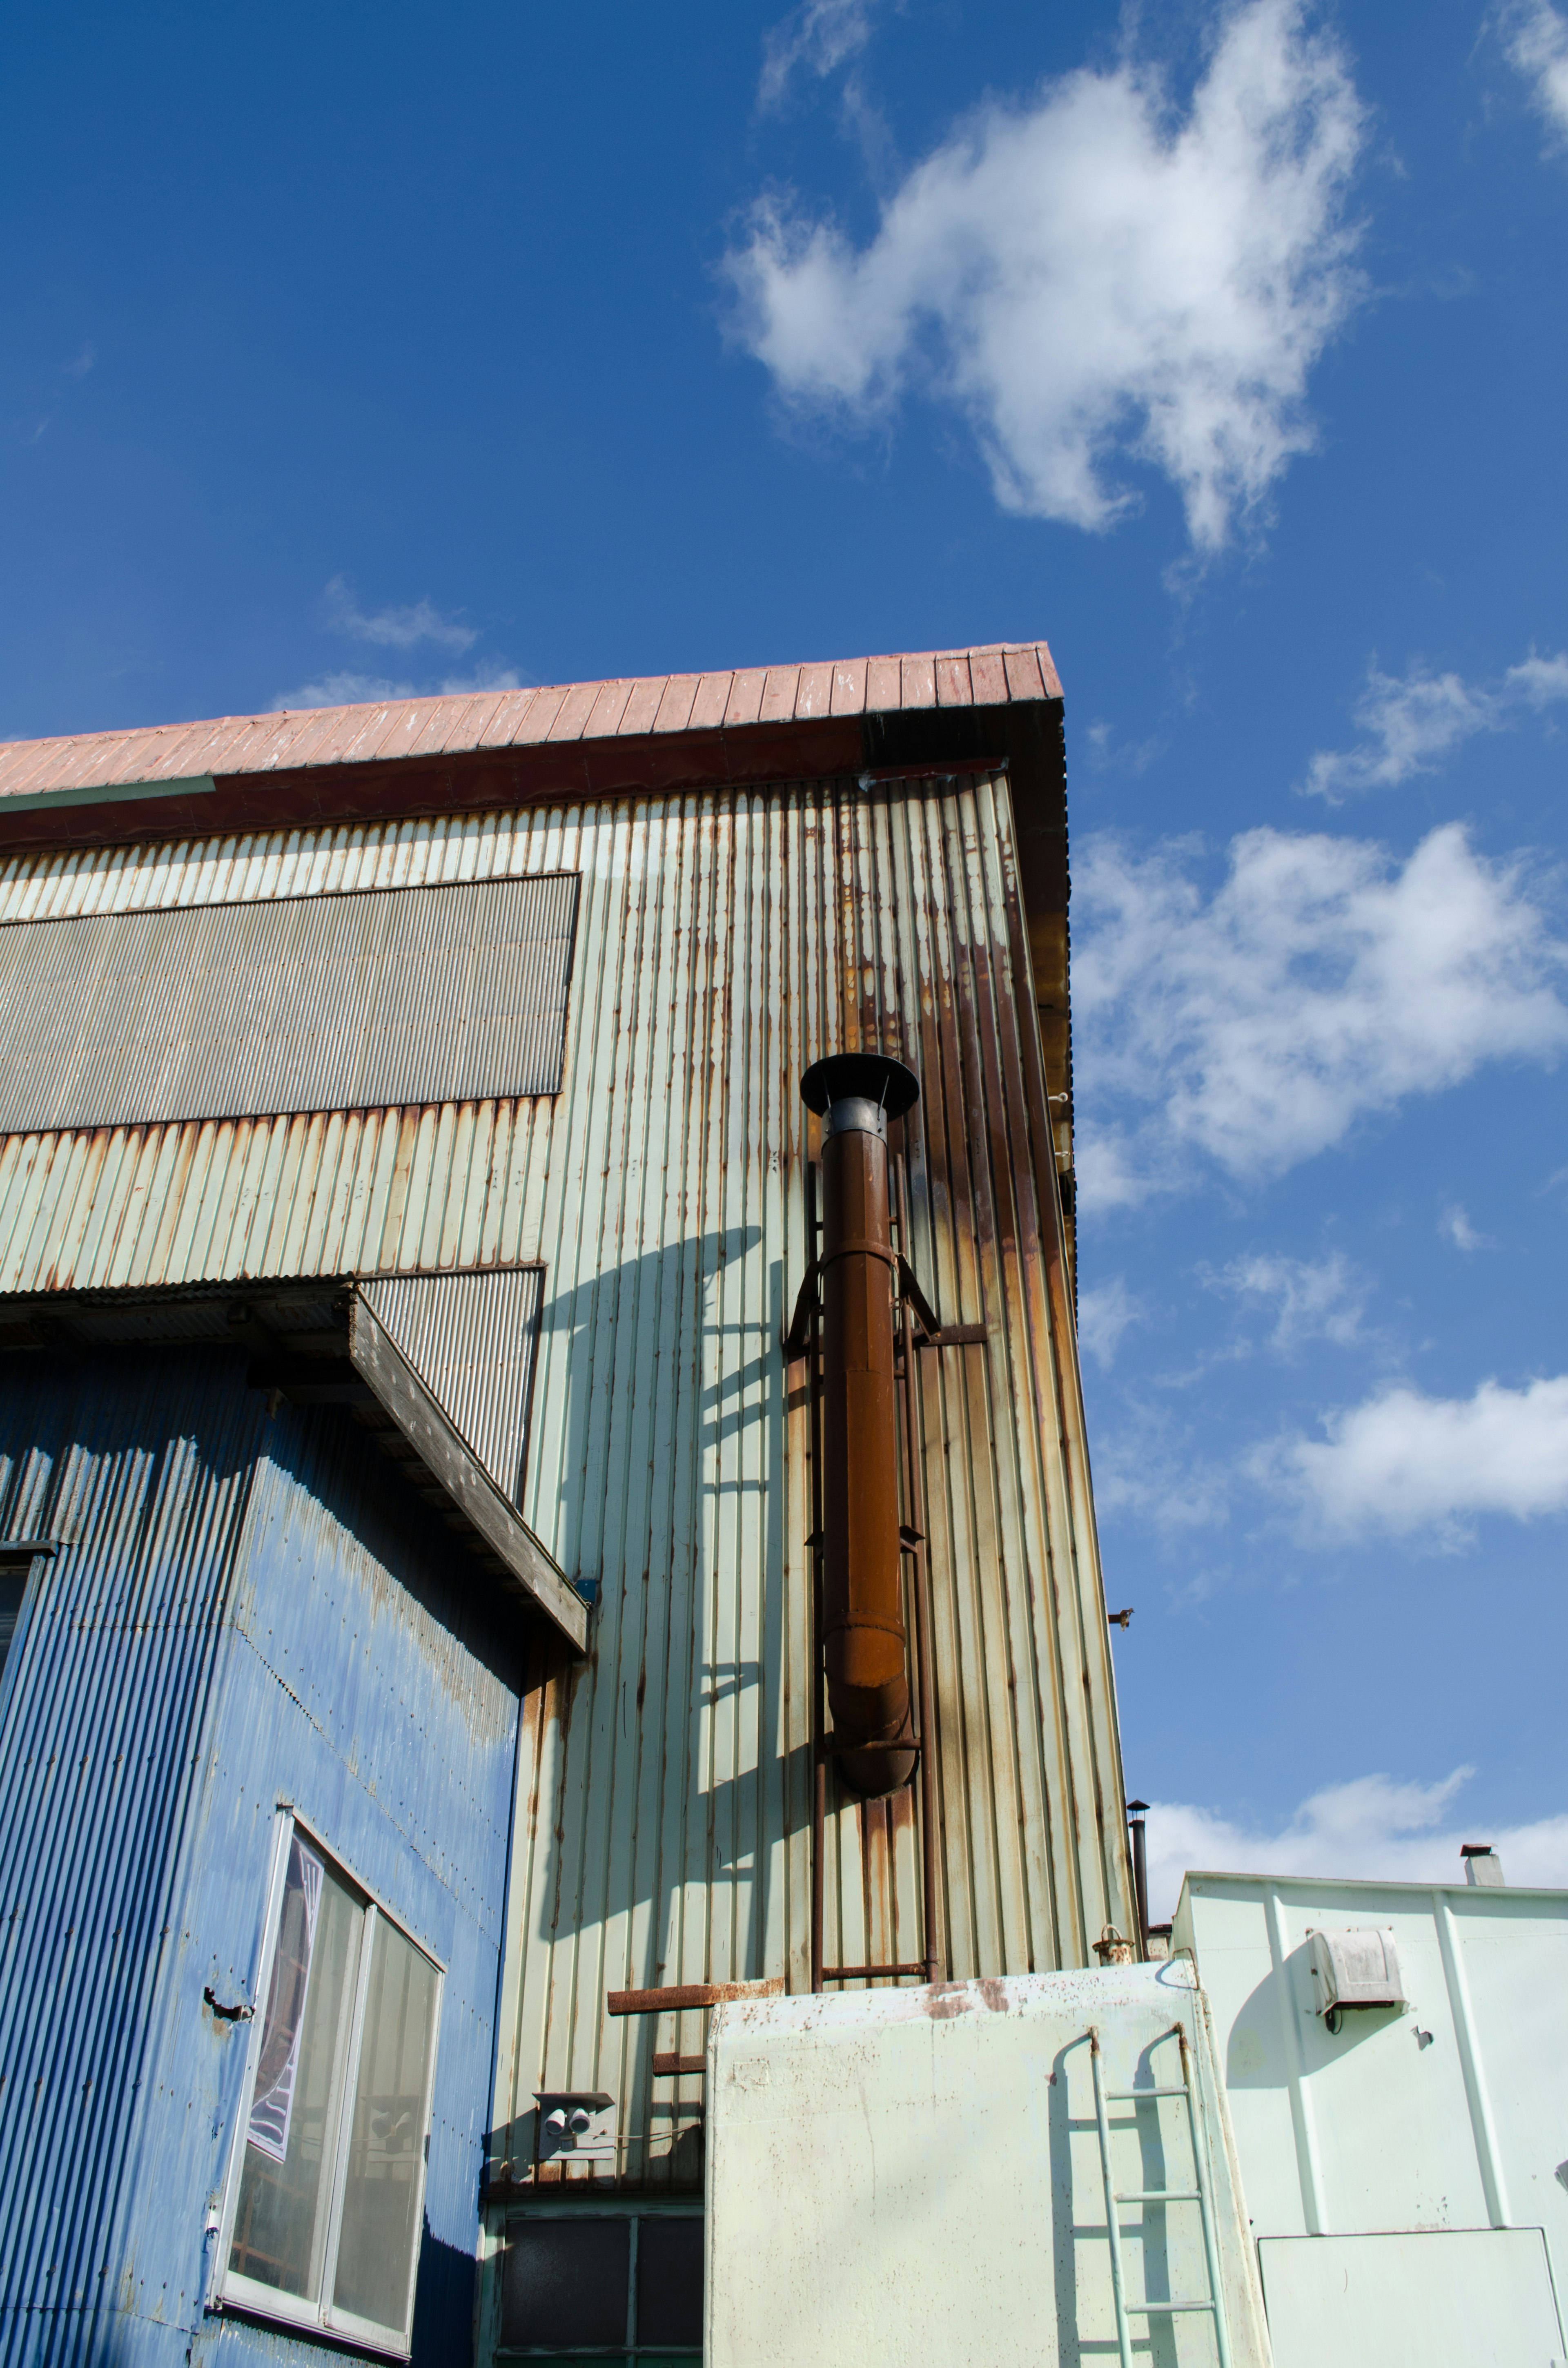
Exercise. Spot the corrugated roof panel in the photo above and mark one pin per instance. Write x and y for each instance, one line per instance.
(954, 687)
(674, 707)
(385, 730)
(572, 716)
(989, 678)
(518, 723)
(642, 707)
(471, 728)
(744, 703)
(849, 688)
(813, 692)
(712, 699)
(535, 725)
(609, 707)
(779, 695)
(884, 685)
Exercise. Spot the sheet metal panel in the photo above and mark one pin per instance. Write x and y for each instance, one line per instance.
(304, 1003)
(239, 1614)
(472, 1339)
(916, 2176)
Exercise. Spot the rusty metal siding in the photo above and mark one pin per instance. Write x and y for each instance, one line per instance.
(726, 939)
(308, 1003)
(472, 1339)
(664, 1818)
(237, 1614)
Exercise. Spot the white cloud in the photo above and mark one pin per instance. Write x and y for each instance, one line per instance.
(1149, 1468)
(1402, 1462)
(394, 629)
(1103, 1314)
(1409, 723)
(819, 36)
(349, 690)
(1311, 1299)
(1372, 1828)
(1536, 45)
(82, 361)
(1455, 1226)
(1323, 980)
(1094, 276)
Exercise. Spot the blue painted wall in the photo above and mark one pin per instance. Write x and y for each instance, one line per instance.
(246, 1609)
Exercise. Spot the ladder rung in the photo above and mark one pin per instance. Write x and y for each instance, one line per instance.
(1136, 2096)
(1149, 2309)
(1162, 2195)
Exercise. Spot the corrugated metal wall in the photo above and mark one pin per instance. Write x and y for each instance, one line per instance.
(725, 940)
(665, 1828)
(239, 1614)
(473, 1340)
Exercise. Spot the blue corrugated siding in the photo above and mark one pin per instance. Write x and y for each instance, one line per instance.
(246, 1610)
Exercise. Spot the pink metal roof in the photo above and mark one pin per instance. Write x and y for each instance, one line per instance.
(254, 744)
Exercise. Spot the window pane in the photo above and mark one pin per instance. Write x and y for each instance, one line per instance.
(13, 1586)
(379, 2237)
(669, 2282)
(565, 2281)
(280, 2224)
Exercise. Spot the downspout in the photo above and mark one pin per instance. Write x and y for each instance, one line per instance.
(865, 1645)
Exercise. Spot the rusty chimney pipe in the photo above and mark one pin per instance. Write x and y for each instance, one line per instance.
(864, 1642)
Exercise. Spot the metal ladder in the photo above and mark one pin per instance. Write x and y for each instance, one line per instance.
(1214, 2302)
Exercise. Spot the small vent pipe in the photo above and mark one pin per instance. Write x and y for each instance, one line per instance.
(865, 1647)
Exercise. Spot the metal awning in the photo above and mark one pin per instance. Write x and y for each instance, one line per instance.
(323, 1345)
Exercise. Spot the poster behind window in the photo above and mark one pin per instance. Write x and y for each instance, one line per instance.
(277, 2071)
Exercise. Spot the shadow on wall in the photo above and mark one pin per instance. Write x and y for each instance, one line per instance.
(661, 1786)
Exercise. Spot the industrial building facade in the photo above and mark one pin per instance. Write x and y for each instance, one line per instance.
(410, 1476)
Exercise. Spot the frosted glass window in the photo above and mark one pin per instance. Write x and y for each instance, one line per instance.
(327, 2189)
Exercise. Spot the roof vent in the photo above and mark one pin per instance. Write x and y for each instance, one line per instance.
(1481, 1864)
(1358, 1968)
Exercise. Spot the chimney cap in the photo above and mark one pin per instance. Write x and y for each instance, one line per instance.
(861, 1076)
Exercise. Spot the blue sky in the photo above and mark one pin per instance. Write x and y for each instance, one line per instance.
(351, 348)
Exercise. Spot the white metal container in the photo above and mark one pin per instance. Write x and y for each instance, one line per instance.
(902, 2176)
(1440, 2115)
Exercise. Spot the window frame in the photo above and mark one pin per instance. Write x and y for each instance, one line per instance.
(28, 1557)
(230, 2291)
(633, 2208)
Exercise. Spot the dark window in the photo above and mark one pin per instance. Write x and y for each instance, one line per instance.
(669, 2282)
(13, 1586)
(565, 2283)
(579, 2285)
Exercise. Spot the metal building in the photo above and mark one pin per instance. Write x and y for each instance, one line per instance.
(413, 1458)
